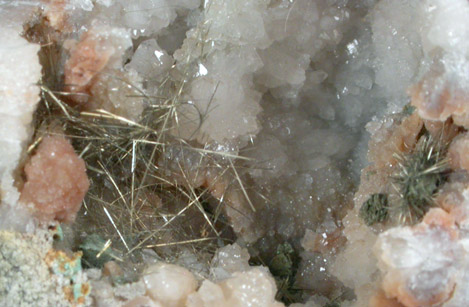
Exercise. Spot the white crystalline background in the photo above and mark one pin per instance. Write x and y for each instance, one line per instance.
(421, 262)
(428, 38)
(289, 84)
(20, 73)
(235, 284)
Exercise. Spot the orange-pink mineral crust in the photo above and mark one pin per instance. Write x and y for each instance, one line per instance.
(56, 180)
(454, 199)
(458, 153)
(436, 99)
(388, 138)
(98, 48)
(421, 264)
(87, 59)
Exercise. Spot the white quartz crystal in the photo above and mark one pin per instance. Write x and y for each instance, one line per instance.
(20, 73)
(169, 284)
(147, 15)
(86, 5)
(447, 25)
(396, 39)
(150, 60)
(252, 288)
(228, 260)
(426, 264)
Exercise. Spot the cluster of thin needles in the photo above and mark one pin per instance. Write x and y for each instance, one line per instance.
(143, 194)
(375, 209)
(420, 175)
(135, 204)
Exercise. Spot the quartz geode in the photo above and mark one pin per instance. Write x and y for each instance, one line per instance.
(237, 153)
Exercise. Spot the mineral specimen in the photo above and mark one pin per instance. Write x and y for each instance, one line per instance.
(424, 270)
(26, 275)
(220, 132)
(19, 73)
(56, 180)
(169, 284)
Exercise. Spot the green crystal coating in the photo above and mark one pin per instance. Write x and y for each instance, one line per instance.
(375, 209)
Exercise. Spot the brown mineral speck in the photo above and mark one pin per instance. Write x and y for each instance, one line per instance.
(111, 268)
(56, 15)
(444, 132)
(56, 180)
